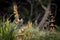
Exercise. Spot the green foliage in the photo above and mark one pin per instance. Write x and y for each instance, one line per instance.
(35, 34)
(31, 33)
(4, 31)
(57, 28)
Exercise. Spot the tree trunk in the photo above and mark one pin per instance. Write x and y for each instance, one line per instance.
(46, 14)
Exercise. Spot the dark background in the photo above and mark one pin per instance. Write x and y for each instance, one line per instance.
(57, 18)
(58, 12)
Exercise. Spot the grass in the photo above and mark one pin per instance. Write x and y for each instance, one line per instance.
(35, 34)
(4, 31)
(29, 34)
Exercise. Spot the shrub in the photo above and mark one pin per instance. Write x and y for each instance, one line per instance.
(4, 31)
(35, 34)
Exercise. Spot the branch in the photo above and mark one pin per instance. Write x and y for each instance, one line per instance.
(10, 16)
(42, 5)
(47, 12)
(55, 8)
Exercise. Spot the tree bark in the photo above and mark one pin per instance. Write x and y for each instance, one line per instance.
(46, 14)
